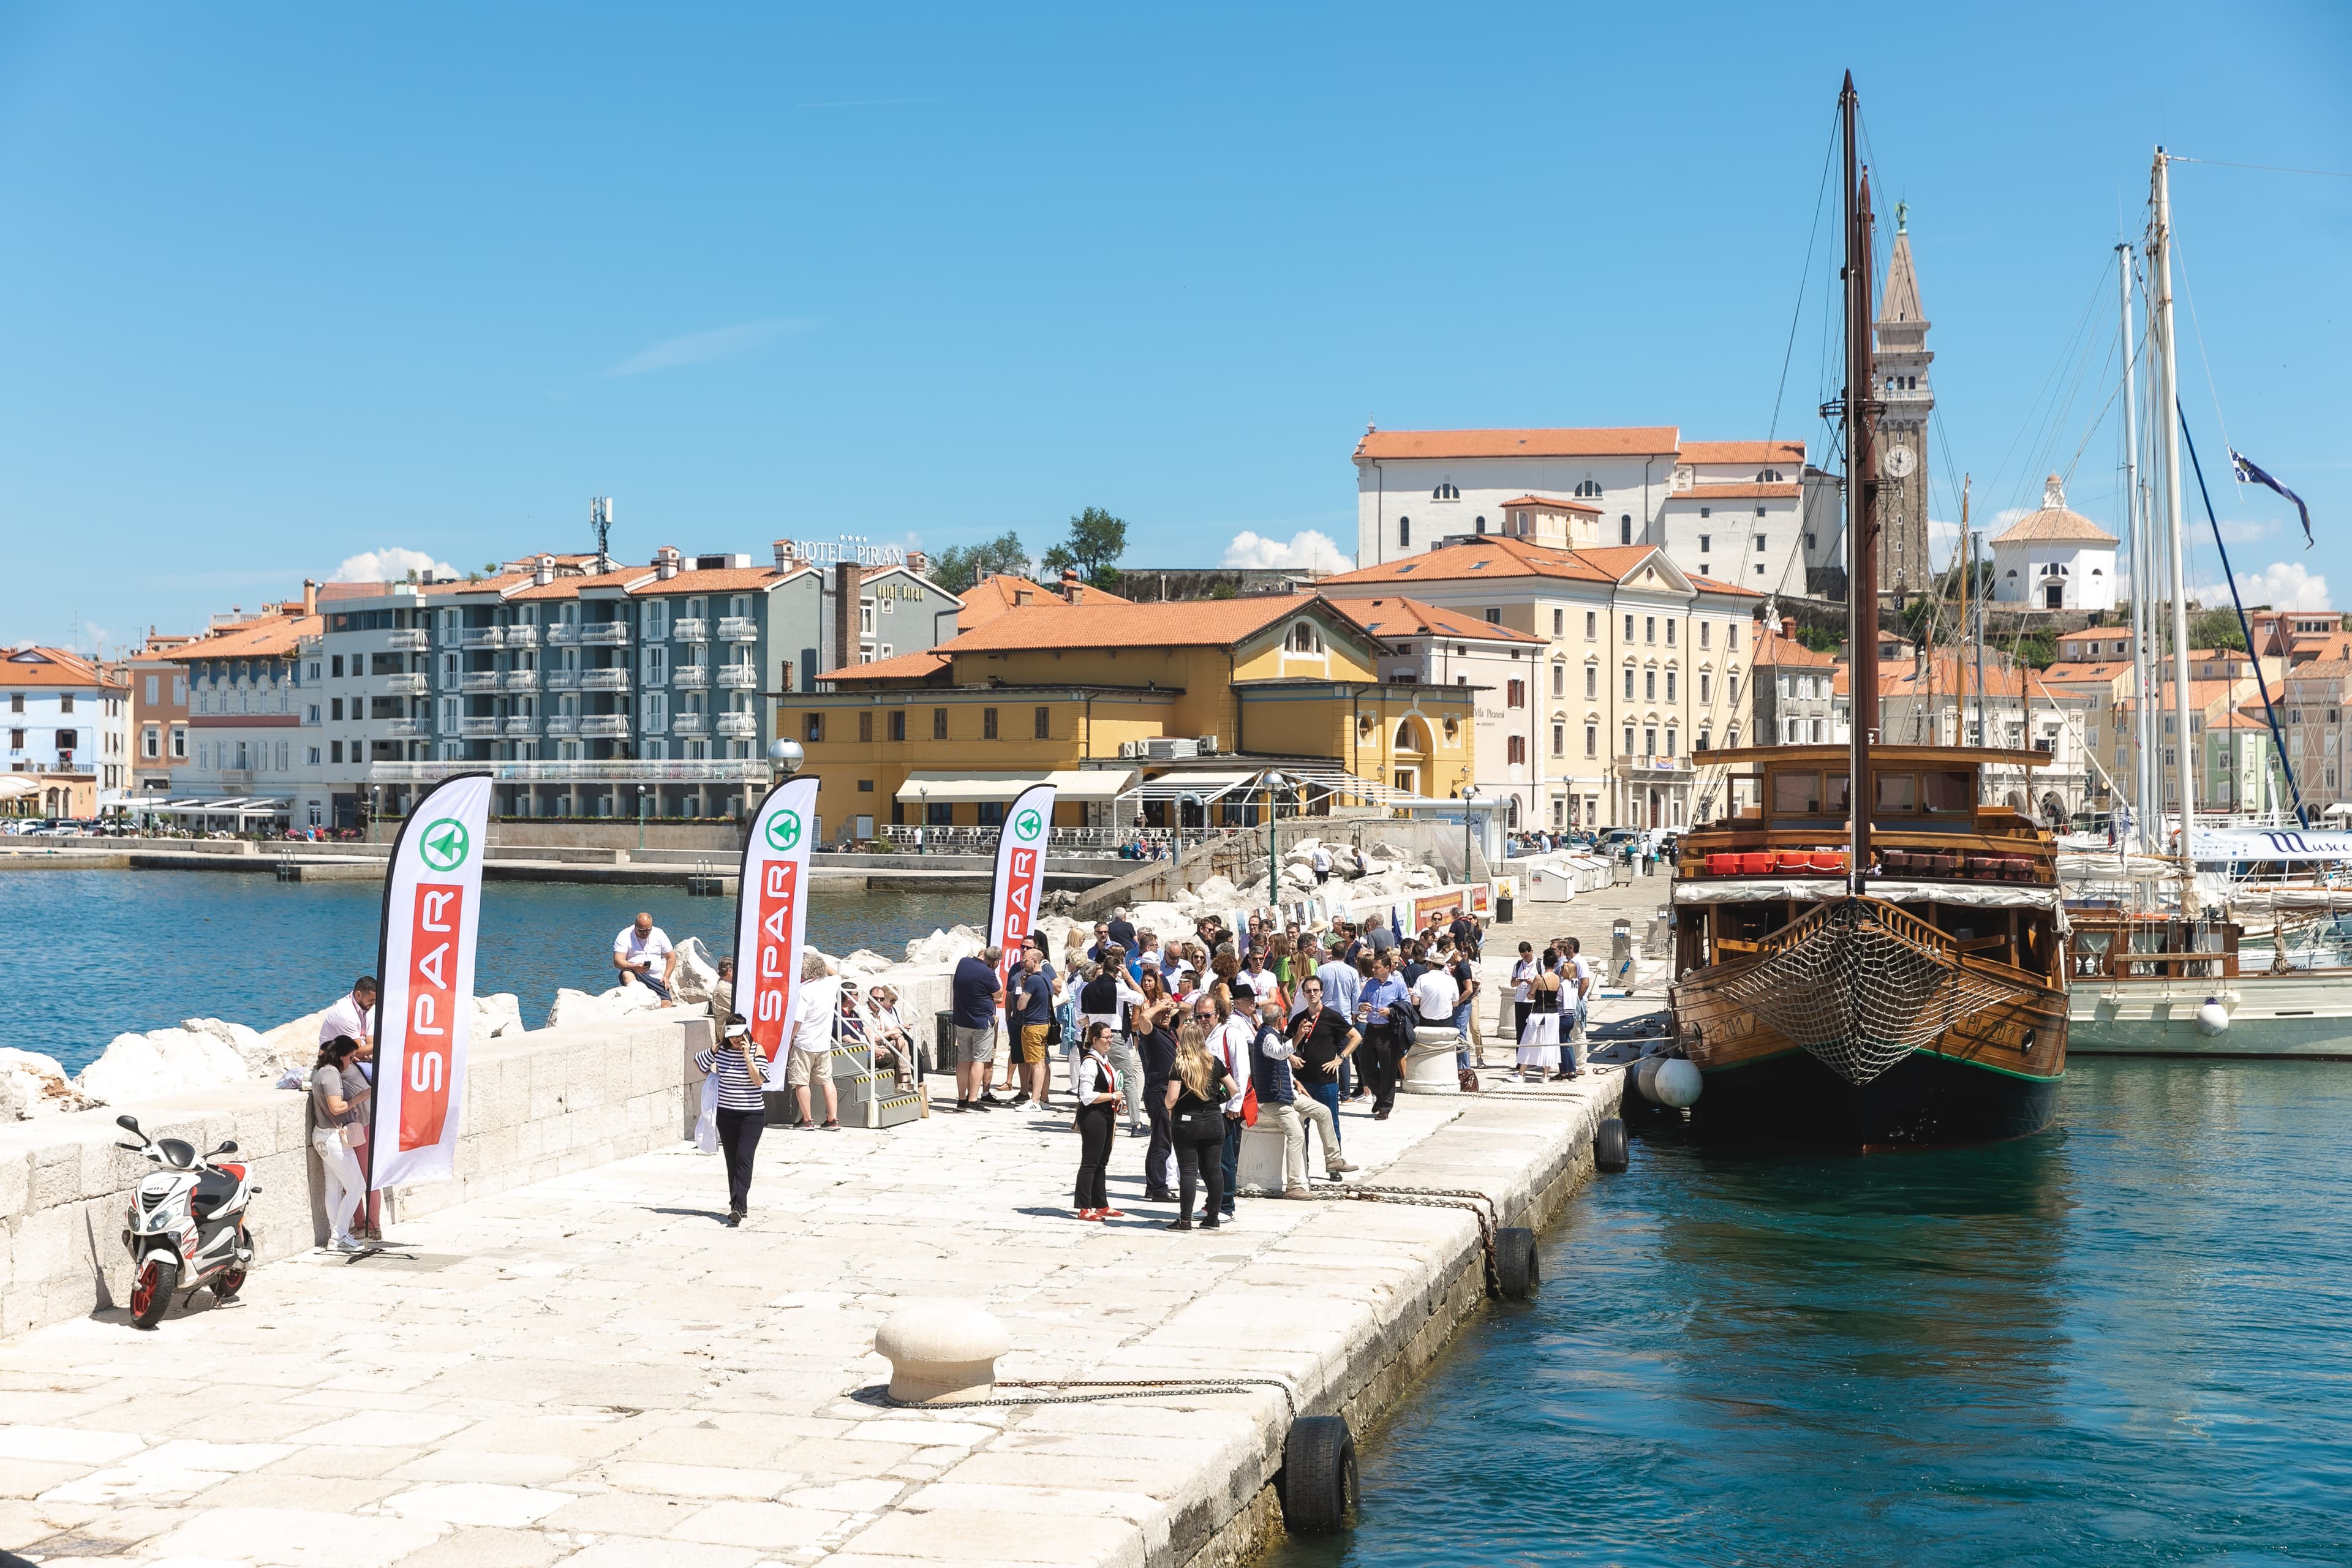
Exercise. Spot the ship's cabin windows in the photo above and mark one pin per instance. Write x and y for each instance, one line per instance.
(1809, 794)
(1897, 792)
(1947, 791)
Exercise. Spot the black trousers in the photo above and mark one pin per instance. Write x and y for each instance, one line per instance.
(1384, 1062)
(1201, 1162)
(1095, 1124)
(738, 1140)
(1163, 1137)
(1525, 1010)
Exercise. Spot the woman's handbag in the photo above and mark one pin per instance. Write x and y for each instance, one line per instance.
(353, 1134)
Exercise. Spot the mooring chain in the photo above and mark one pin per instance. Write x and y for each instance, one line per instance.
(1480, 1206)
(1109, 1388)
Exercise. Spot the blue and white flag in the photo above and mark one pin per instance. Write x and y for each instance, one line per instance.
(2250, 473)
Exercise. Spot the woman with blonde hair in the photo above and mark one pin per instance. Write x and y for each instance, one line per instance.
(1197, 1092)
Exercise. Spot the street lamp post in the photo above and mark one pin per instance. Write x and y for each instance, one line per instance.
(1188, 798)
(1275, 785)
(1469, 794)
(923, 827)
(641, 818)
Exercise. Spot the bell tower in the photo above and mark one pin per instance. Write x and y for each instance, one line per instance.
(1906, 398)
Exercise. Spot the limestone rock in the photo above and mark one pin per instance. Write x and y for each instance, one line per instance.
(250, 1045)
(1219, 893)
(33, 1085)
(696, 973)
(162, 1062)
(865, 961)
(575, 1007)
(500, 1012)
(296, 1043)
(945, 947)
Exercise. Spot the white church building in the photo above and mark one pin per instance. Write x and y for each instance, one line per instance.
(2055, 559)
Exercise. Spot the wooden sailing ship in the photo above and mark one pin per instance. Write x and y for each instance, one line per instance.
(1929, 1006)
(1869, 957)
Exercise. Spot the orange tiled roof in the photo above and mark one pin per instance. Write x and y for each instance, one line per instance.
(1399, 617)
(1775, 650)
(52, 667)
(718, 580)
(1188, 622)
(1763, 452)
(1738, 492)
(1498, 556)
(568, 587)
(1552, 504)
(277, 636)
(919, 666)
(1632, 441)
(993, 596)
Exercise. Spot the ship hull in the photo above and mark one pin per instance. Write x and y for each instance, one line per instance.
(1923, 1100)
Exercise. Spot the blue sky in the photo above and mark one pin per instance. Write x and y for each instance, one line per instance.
(286, 285)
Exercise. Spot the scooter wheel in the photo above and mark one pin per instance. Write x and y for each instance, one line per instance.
(227, 1283)
(152, 1292)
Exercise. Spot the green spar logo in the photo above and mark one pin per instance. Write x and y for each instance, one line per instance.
(1027, 825)
(783, 830)
(444, 844)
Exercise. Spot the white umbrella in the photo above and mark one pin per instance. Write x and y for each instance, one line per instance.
(15, 786)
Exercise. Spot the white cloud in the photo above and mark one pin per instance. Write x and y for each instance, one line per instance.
(701, 348)
(1308, 550)
(1942, 544)
(2283, 585)
(391, 565)
(2247, 530)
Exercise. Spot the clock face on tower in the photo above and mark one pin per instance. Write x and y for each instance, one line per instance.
(1898, 461)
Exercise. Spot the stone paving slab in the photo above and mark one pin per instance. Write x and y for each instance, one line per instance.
(592, 1371)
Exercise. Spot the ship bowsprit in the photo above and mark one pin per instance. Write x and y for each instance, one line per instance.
(1862, 985)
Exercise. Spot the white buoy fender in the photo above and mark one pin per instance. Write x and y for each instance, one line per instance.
(2212, 1018)
(1678, 1082)
(1645, 1079)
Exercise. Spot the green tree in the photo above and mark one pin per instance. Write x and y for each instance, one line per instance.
(1821, 640)
(2216, 628)
(958, 566)
(1096, 539)
(2037, 650)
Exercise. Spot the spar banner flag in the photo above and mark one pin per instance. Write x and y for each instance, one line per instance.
(1020, 873)
(772, 918)
(424, 1009)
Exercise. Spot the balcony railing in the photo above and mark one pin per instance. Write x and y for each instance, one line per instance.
(561, 680)
(406, 642)
(1645, 762)
(691, 628)
(478, 680)
(700, 770)
(482, 637)
(605, 726)
(563, 634)
(737, 724)
(519, 724)
(563, 726)
(691, 676)
(605, 634)
(738, 629)
(522, 680)
(523, 636)
(478, 728)
(412, 685)
(603, 681)
(737, 678)
(687, 724)
(405, 728)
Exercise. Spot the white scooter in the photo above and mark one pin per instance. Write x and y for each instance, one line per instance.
(186, 1224)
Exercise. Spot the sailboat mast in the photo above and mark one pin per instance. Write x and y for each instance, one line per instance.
(2143, 564)
(1861, 494)
(2168, 422)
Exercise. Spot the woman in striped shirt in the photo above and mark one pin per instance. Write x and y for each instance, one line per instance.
(742, 1109)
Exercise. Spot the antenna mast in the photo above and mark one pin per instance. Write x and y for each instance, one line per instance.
(600, 518)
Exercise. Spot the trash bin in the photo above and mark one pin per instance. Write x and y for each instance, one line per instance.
(943, 1042)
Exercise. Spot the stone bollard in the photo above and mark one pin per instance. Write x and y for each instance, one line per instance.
(1259, 1168)
(942, 1350)
(1428, 1066)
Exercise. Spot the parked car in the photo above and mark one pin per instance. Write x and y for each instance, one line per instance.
(1621, 841)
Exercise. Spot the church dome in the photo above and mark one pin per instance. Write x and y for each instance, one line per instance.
(2054, 524)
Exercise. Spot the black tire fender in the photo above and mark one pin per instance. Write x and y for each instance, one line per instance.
(1317, 1485)
(1609, 1148)
(1517, 1274)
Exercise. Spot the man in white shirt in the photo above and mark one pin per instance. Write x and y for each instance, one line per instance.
(1434, 996)
(638, 948)
(1322, 865)
(814, 1011)
(349, 1019)
(1258, 977)
(1230, 1043)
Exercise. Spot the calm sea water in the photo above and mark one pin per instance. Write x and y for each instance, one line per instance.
(2125, 1342)
(95, 953)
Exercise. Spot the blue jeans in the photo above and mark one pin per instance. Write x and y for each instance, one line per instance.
(1462, 1029)
(1232, 1160)
(646, 979)
(1328, 1094)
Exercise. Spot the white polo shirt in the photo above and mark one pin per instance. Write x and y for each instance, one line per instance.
(345, 1021)
(643, 952)
(1436, 995)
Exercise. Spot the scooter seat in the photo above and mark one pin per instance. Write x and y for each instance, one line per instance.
(213, 1189)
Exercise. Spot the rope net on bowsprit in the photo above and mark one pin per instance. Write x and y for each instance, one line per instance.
(1859, 990)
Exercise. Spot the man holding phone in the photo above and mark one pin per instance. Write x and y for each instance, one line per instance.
(1382, 1010)
(1320, 1039)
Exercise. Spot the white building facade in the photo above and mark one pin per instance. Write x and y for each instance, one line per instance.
(68, 719)
(2055, 559)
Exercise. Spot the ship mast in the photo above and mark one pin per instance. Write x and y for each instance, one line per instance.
(2167, 415)
(2143, 570)
(1860, 496)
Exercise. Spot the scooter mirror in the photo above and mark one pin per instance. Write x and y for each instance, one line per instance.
(228, 1146)
(129, 1123)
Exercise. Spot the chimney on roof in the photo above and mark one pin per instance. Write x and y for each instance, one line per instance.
(788, 554)
(846, 575)
(544, 572)
(666, 562)
(310, 598)
(1788, 628)
(1070, 587)
(919, 563)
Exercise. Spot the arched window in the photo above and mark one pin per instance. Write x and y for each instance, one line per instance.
(1404, 533)
(1589, 489)
(1482, 524)
(1446, 492)
(1625, 529)
(1410, 736)
(1768, 476)
(1304, 639)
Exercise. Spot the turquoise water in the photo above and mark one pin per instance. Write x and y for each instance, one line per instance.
(2125, 1342)
(95, 953)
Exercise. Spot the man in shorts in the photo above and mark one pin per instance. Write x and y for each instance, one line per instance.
(975, 994)
(814, 1011)
(1032, 1011)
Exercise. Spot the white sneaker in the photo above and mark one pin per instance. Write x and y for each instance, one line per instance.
(347, 1244)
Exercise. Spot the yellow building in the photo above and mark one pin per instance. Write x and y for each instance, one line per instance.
(1279, 680)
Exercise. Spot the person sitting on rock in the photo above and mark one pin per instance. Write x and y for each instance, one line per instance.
(641, 945)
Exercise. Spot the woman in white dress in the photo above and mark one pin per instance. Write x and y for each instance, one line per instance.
(1540, 1035)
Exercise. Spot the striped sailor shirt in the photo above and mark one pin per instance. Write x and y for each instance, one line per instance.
(737, 1089)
